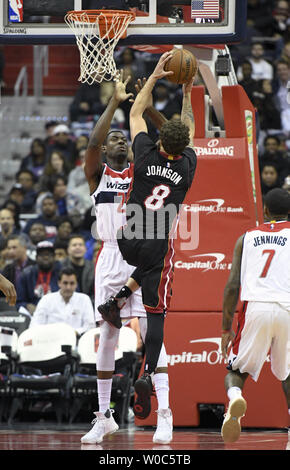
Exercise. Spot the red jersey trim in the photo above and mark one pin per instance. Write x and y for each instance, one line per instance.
(271, 226)
(127, 172)
(170, 157)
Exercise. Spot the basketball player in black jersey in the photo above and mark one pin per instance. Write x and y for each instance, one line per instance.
(162, 176)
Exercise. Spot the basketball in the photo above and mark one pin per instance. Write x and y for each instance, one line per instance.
(184, 65)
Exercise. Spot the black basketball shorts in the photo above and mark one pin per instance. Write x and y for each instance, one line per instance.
(153, 260)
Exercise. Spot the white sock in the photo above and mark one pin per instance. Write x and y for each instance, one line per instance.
(233, 392)
(104, 394)
(162, 390)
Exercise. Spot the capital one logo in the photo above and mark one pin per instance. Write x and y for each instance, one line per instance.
(211, 355)
(205, 262)
(212, 206)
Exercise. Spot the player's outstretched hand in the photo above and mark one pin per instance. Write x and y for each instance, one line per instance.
(138, 87)
(8, 290)
(159, 71)
(120, 87)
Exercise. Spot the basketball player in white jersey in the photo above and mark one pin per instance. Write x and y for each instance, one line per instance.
(261, 267)
(109, 183)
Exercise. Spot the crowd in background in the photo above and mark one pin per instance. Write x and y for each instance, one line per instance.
(49, 209)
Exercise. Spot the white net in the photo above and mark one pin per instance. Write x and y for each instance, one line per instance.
(97, 36)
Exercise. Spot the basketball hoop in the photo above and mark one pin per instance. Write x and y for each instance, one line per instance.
(97, 34)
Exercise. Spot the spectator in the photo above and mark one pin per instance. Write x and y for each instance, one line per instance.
(48, 129)
(273, 155)
(17, 255)
(262, 69)
(68, 203)
(269, 178)
(281, 89)
(60, 251)
(7, 224)
(17, 194)
(56, 165)
(63, 143)
(66, 305)
(84, 269)
(64, 231)
(286, 184)
(14, 207)
(81, 143)
(247, 82)
(86, 103)
(3, 255)
(27, 179)
(280, 83)
(77, 182)
(285, 53)
(36, 159)
(162, 100)
(48, 217)
(36, 234)
(264, 101)
(37, 280)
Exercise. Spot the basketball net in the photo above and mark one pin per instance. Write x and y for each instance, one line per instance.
(97, 34)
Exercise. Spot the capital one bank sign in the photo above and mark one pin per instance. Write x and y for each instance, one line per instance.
(210, 353)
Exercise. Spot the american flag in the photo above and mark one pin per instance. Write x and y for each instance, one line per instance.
(205, 9)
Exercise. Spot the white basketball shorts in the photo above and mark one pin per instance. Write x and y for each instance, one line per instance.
(111, 274)
(264, 327)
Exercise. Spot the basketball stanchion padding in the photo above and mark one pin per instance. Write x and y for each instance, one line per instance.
(97, 34)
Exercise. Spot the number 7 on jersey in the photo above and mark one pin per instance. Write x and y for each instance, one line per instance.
(268, 262)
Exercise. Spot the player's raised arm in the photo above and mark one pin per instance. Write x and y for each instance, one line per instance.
(187, 116)
(93, 157)
(157, 118)
(137, 122)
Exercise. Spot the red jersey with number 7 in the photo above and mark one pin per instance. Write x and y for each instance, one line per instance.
(265, 267)
(159, 187)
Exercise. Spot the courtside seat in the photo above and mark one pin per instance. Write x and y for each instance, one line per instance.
(8, 355)
(84, 390)
(44, 369)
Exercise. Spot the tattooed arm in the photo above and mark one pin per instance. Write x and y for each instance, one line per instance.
(187, 116)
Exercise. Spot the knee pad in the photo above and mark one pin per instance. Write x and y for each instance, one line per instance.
(108, 341)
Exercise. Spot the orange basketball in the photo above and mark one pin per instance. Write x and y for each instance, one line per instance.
(184, 65)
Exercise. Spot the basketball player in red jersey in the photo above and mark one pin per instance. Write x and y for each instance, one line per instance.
(162, 176)
(260, 267)
(109, 183)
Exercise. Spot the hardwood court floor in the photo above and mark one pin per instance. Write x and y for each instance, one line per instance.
(140, 439)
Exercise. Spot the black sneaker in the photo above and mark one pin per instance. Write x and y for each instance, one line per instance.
(143, 388)
(110, 312)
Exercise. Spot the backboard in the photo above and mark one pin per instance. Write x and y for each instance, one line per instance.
(156, 22)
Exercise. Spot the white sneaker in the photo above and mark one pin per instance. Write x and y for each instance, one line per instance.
(231, 428)
(163, 433)
(103, 424)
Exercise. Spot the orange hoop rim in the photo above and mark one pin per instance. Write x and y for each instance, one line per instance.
(92, 15)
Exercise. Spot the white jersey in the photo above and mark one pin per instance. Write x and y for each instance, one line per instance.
(109, 200)
(265, 267)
